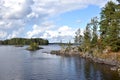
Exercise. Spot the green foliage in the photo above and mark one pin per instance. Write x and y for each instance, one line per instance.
(118, 1)
(69, 45)
(33, 46)
(24, 41)
(87, 38)
(62, 46)
(66, 46)
(110, 26)
(80, 48)
(109, 33)
(94, 26)
(78, 37)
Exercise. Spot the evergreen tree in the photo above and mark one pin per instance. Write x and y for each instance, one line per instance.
(94, 26)
(78, 36)
(110, 26)
(118, 1)
(87, 38)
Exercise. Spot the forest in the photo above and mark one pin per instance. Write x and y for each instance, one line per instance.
(24, 41)
(102, 34)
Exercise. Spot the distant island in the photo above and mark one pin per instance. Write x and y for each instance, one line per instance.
(24, 41)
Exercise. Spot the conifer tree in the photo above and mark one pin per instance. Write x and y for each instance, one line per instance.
(118, 1)
(110, 26)
(78, 36)
(87, 38)
(94, 26)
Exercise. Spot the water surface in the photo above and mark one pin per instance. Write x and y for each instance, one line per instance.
(16, 63)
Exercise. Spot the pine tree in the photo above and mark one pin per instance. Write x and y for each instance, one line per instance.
(110, 26)
(94, 26)
(118, 1)
(87, 38)
(78, 36)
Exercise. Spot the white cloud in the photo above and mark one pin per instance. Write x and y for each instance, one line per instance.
(52, 7)
(2, 34)
(15, 33)
(63, 33)
(51, 32)
(66, 31)
(59, 32)
(11, 24)
(15, 9)
(12, 28)
(16, 14)
(13, 14)
(37, 30)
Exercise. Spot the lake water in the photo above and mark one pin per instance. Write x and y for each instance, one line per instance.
(16, 63)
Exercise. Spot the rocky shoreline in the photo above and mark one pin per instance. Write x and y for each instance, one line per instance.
(73, 51)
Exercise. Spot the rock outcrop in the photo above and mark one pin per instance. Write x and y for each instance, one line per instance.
(74, 51)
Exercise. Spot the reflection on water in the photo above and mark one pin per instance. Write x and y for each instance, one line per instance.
(16, 63)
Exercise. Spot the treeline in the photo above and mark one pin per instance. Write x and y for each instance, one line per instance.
(24, 41)
(102, 34)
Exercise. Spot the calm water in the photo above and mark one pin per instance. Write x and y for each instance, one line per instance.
(16, 63)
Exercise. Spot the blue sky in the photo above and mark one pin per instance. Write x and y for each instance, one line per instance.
(79, 18)
(54, 20)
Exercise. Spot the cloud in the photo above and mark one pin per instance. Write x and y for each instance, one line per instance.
(11, 27)
(63, 33)
(52, 7)
(15, 15)
(2, 34)
(11, 24)
(15, 33)
(15, 9)
(51, 32)
(38, 30)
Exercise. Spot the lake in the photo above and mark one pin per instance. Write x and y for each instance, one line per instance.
(16, 63)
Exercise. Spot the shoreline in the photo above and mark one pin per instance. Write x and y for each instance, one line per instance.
(114, 64)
